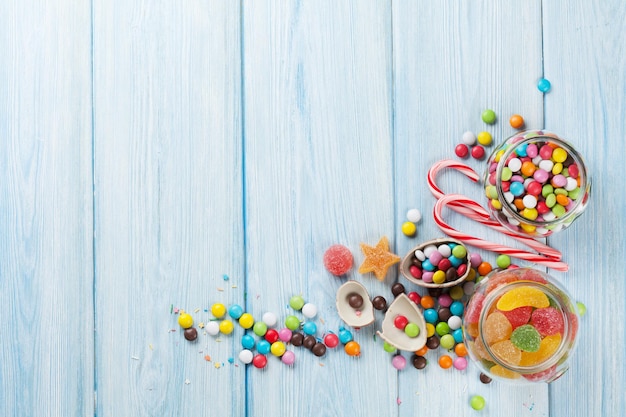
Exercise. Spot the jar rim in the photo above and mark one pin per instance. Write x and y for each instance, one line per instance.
(565, 306)
(585, 186)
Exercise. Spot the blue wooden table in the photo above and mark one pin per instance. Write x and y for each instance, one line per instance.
(162, 155)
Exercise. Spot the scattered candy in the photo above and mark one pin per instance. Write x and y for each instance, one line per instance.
(379, 303)
(378, 259)
(484, 138)
(489, 116)
(413, 215)
(469, 138)
(516, 121)
(544, 85)
(190, 334)
(445, 361)
(352, 348)
(271, 335)
(212, 328)
(309, 310)
(296, 302)
(338, 260)
(582, 309)
(436, 263)
(355, 300)
(409, 229)
(185, 320)
(248, 341)
(309, 341)
(478, 152)
(259, 328)
(278, 349)
(235, 311)
(461, 150)
(503, 261)
(263, 347)
(309, 328)
(485, 379)
(270, 319)
(460, 363)
(226, 326)
(246, 320)
(292, 323)
(398, 362)
(331, 340)
(419, 362)
(218, 310)
(477, 402)
(246, 356)
(288, 358)
(319, 349)
(259, 361)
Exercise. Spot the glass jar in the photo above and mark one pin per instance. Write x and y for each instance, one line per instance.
(536, 183)
(520, 325)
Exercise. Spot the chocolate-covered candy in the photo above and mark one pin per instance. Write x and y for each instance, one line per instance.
(435, 292)
(397, 289)
(379, 302)
(484, 378)
(191, 334)
(444, 314)
(319, 349)
(451, 275)
(309, 341)
(354, 300)
(419, 362)
(432, 342)
(297, 339)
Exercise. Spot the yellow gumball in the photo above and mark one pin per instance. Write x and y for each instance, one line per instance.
(409, 229)
(185, 320)
(278, 348)
(226, 327)
(218, 310)
(484, 138)
(246, 320)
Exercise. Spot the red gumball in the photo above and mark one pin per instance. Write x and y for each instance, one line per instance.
(259, 361)
(331, 340)
(461, 150)
(478, 152)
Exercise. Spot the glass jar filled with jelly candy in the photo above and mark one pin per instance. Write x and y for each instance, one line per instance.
(536, 183)
(520, 325)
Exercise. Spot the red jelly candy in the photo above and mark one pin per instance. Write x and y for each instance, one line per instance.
(535, 276)
(500, 279)
(338, 260)
(518, 316)
(546, 375)
(472, 312)
(547, 321)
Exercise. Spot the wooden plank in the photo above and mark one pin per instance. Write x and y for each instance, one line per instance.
(319, 165)
(46, 279)
(169, 225)
(582, 59)
(450, 63)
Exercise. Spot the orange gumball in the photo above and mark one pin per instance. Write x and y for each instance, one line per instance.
(516, 121)
(352, 348)
(445, 361)
(422, 351)
(427, 301)
(460, 349)
(484, 268)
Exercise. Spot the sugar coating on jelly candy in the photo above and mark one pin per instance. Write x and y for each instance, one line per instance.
(547, 348)
(496, 328)
(507, 352)
(526, 338)
(338, 260)
(521, 297)
(378, 259)
(547, 321)
(472, 312)
(518, 316)
(532, 275)
(500, 279)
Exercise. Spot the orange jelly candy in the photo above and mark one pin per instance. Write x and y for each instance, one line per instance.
(522, 297)
(507, 352)
(503, 372)
(378, 259)
(496, 328)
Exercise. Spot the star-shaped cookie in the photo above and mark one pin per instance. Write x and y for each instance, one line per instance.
(378, 259)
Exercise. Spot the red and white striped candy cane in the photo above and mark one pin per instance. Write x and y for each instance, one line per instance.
(548, 256)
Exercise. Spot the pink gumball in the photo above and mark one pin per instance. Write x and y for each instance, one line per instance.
(398, 362)
(288, 357)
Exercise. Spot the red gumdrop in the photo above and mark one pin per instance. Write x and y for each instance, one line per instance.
(545, 375)
(532, 275)
(518, 316)
(472, 312)
(338, 260)
(547, 321)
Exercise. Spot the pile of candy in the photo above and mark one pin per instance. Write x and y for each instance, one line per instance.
(436, 264)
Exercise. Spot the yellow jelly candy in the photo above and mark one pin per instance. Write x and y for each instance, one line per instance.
(378, 259)
(507, 352)
(521, 297)
(503, 372)
(548, 346)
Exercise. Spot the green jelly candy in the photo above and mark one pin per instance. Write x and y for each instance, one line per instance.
(526, 338)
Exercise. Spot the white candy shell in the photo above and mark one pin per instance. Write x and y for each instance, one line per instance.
(406, 264)
(348, 314)
(396, 337)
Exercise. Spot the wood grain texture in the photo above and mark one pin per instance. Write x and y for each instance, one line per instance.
(584, 59)
(46, 276)
(450, 64)
(168, 222)
(319, 171)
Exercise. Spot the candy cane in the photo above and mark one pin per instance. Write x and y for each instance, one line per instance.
(549, 258)
(478, 213)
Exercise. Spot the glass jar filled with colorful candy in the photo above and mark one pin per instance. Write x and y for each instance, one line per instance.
(536, 183)
(520, 326)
